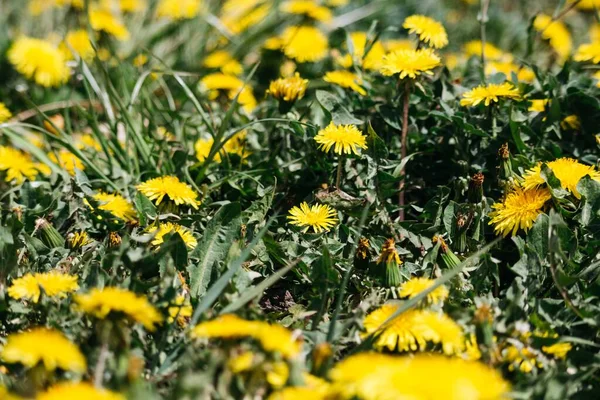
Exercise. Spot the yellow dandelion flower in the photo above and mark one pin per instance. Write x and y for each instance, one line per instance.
(43, 346)
(140, 60)
(427, 29)
(588, 52)
(518, 211)
(304, 43)
(392, 45)
(87, 141)
(308, 8)
(170, 186)
(36, 7)
(53, 283)
(587, 4)
(203, 147)
(538, 105)
(239, 15)
(272, 338)
(232, 86)
(319, 217)
(125, 6)
(347, 139)
(568, 171)
(522, 358)
(345, 79)
(104, 21)
(299, 393)
(115, 204)
(178, 9)
(370, 60)
(491, 93)
(18, 165)
(235, 145)
(472, 351)
(558, 350)
(371, 376)
(116, 301)
(409, 63)
(492, 53)
(5, 114)
(507, 68)
(241, 363)
(556, 33)
(77, 240)
(416, 285)
(169, 227)
(78, 42)
(389, 254)
(288, 89)
(78, 391)
(6, 395)
(40, 61)
(414, 330)
(181, 310)
(67, 160)
(224, 61)
(277, 373)
(571, 122)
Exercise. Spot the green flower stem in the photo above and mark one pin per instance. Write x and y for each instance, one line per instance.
(338, 178)
(403, 150)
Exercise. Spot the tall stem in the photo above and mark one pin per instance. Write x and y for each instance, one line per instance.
(483, 18)
(403, 144)
(338, 178)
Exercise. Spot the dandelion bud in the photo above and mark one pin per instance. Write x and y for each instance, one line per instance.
(321, 354)
(475, 192)
(114, 240)
(49, 234)
(389, 256)
(362, 252)
(449, 259)
(287, 91)
(506, 169)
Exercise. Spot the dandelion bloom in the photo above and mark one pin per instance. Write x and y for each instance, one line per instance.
(571, 122)
(345, 79)
(78, 391)
(239, 15)
(78, 42)
(519, 210)
(54, 284)
(372, 376)
(508, 68)
(40, 61)
(556, 33)
(568, 171)
(588, 52)
(272, 338)
(521, 357)
(492, 53)
(409, 63)
(103, 20)
(224, 61)
(77, 240)
(18, 165)
(427, 29)
(67, 160)
(308, 8)
(491, 93)
(180, 310)
(538, 105)
(288, 89)
(48, 347)
(113, 300)
(5, 114)
(558, 350)
(415, 286)
(347, 139)
(413, 330)
(126, 6)
(171, 187)
(304, 43)
(232, 85)
(370, 60)
(115, 204)
(178, 9)
(319, 217)
(169, 227)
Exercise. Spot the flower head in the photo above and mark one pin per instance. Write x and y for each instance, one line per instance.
(78, 42)
(224, 61)
(556, 33)
(288, 89)
(345, 79)
(48, 347)
(53, 283)
(519, 210)
(491, 93)
(415, 286)
(40, 61)
(78, 391)
(344, 139)
(67, 160)
(558, 350)
(492, 53)
(568, 171)
(410, 63)
(304, 43)
(571, 122)
(319, 217)
(372, 376)
(389, 253)
(232, 85)
(427, 29)
(538, 105)
(103, 20)
(171, 187)
(239, 15)
(5, 114)
(178, 9)
(508, 68)
(588, 52)
(77, 240)
(308, 8)
(273, 338)
(413, 330)
(125, 6)
(370, 60)
(522, 357)
(116, 301)
(18, 165)
(181, 310)
(115, 204)
(169, 227)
